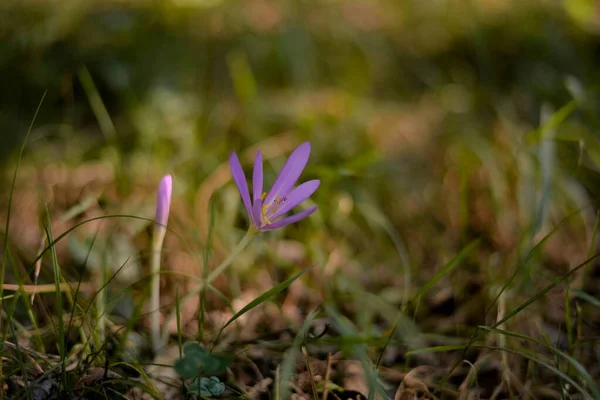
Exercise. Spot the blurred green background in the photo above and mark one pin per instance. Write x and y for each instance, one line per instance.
(433, 123)
(403, 101)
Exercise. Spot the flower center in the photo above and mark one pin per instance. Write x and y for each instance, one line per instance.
(268, 210)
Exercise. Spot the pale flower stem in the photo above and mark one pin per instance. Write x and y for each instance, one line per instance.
(251, 234)
(157, 243)
(232, 256)
(163, 206)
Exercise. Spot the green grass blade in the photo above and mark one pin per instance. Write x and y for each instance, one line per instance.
(206, 270)
(448, 268)
(437, 349)
(592, 247)
(263, 297)
(75, 306)
(543, 292)
(376, 218)
(591, 384)
(61, 339)
(106, 125)
(8, 212)
(587, 297)
(242, 77)
(559, 373)
(82, 223)
(31, 314)
(520, 267)
(552, 123)
(359, 351)
(286, 370)
(178, 319)
(535, 250)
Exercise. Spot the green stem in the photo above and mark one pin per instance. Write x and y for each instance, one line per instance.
(234, 253)
(251, 234)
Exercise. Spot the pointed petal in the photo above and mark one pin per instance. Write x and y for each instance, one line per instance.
(163, 202)
(240, 180)
(257, 177)
(290, 173)
(296, 196)
(290, 220)
(256, 213)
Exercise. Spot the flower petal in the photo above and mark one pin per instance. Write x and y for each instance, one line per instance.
(240, 180)
(290, 220)
(256, 213)
(289, 174)
(163, 202)
(257, 177)
(296, 196)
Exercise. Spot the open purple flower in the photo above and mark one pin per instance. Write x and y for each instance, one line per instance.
(267, 210)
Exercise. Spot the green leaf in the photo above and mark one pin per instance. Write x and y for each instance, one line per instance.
(193, 349)
(217, 363)
(198, 361)
(188, 367)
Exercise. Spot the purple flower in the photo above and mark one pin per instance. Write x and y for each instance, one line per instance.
(163, 202)
(163, 205)
(267, 211)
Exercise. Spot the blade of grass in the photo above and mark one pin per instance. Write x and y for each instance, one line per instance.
(242, 77)
(592, 247)
(15, 338)
(206, 259)
(98, 107)
(82, 223)
(7, 225)
(591, 384)
(248, 237)
(261, 299)
(130, 325)
(178, 312)
(447, 269)
(72, 212)
(587, 297)
(310, 373)
(552, 123)
(77, 290)
(32, 315)
(535, 250)
(543, 292)
(59, 299)
(376, 217)
(345, 328)
(559, 373)
(285, 371)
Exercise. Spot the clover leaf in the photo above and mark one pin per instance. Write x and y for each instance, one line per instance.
(197, 361)
(207, 387)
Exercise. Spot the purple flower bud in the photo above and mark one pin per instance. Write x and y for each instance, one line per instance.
(163, 202)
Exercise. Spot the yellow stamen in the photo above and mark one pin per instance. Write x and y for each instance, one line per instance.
(276, 203)
(263, 212)
(272, 208)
